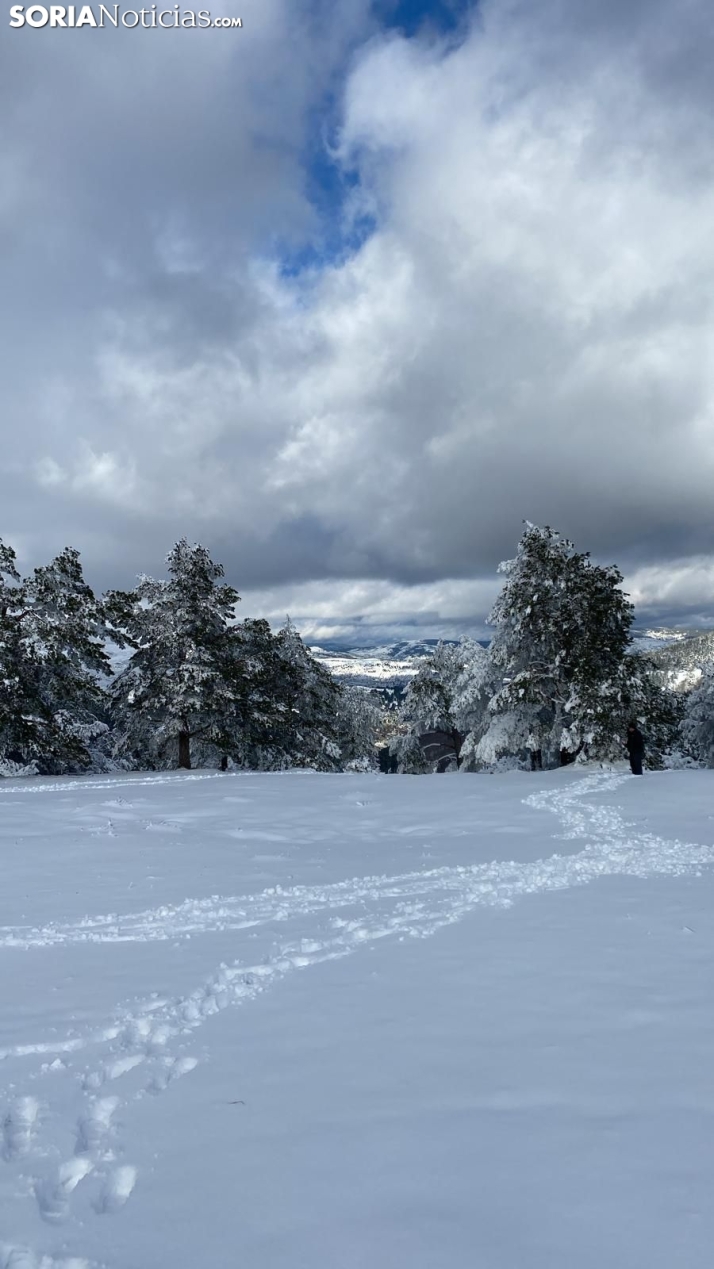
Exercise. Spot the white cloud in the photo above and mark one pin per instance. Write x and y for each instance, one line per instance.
(679, 584)
(368, 610)
(527, 332)
(447, 600)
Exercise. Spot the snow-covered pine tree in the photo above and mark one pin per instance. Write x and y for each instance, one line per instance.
(506, 737)
(633, 694)
(472, 695)
(19, 706)
(268, 673)
(427, 709)
(180, 683)
(698, 722)
(250, 666)
(447, 697)
(53, 632)
(304, 700)
(561, 643)
(360, 722)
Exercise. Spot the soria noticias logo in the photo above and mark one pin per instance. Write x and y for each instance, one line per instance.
(101, 15)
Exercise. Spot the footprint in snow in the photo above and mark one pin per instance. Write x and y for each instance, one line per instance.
(112, 1071)
(172, 1069)
(53, 1195)
(19, 1127)
(116, 1190)
(94, 1125)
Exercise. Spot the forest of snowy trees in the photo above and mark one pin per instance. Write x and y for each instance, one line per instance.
(560, 679)
(195, 686)
(167, 675)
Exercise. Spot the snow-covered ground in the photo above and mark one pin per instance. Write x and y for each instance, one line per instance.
(653, 639)
(227, 1040)
(385, 665)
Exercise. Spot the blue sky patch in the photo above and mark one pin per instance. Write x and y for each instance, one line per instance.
(328, 184)
(413, 16)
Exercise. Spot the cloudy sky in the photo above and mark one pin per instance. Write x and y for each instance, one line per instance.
(350, 292)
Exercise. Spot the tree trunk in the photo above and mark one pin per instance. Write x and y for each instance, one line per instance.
(184, 740)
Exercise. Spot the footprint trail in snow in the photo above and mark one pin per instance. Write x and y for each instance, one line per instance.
(142, 1050)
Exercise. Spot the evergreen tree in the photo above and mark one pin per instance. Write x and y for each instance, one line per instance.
(250, 667)
(504, 738)
(698, 721)
(53, 632)
(429, 698)
(449, 694)
(21, 717)
(180, 683)
(473, 690)
(286, 703)
(202, 687)
(633, 694)
(562, 631)
(360, 723)
(562, 645)
(303, 702)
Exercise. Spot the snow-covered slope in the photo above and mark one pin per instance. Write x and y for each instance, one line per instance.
(386, 665)
(395, 664)
(336, 1021)
(655, 639)
(682, 661)
(689, 653)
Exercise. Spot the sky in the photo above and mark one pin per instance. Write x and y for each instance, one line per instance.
(350, 292)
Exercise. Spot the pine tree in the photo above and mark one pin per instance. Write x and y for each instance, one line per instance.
(201, 686)
(429, 698)
(53, 632)
(250, 669)
(266, 684)
(20, 709)
(449, 695)
(180, 685)
(305, 701)
(473, 689)
(698, 722)
(563, 631)
(360, 721)
(599, 719)
(503, 739)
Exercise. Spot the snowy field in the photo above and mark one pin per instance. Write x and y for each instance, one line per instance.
(357, 1022)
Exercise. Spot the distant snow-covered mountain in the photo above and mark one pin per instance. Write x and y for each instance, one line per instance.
(386, 665)
(661, 637)
(678, 653)
(682, 660)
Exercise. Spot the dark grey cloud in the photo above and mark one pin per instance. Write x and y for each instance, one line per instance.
(526, 333)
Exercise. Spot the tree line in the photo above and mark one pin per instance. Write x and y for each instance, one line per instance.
(166, 675)
(196, 687)
(560, 678)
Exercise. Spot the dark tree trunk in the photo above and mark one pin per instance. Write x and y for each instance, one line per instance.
(566, 757)
(184, 749)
